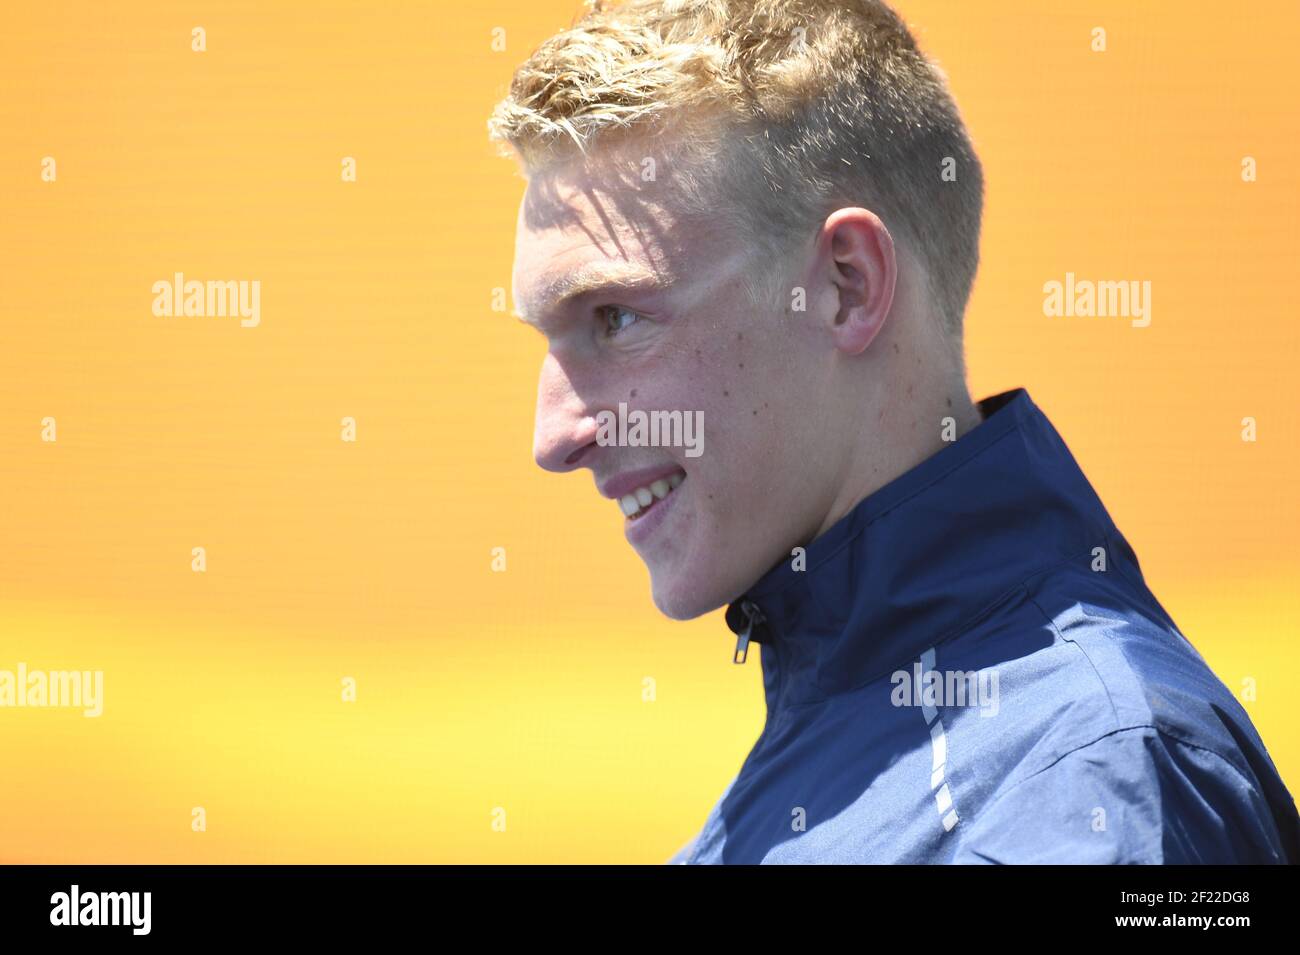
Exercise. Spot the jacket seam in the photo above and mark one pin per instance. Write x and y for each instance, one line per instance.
(1070, 752)
(1246, 780)
(1125, 729)
(1114, 710)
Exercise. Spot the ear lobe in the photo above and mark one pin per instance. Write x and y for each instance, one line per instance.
(864, 272)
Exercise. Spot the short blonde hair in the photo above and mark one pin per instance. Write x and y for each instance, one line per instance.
(780, 111)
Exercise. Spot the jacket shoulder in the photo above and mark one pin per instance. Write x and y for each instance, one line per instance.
(1123, 745)
(1129, 665)
(1134, 796)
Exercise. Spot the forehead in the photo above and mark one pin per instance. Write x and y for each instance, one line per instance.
(580, 224)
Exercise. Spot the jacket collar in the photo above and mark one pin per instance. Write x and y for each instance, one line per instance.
(922, 558)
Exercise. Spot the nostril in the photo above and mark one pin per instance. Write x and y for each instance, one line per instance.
(576, 455)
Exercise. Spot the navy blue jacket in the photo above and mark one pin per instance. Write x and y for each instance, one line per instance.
(970, 668)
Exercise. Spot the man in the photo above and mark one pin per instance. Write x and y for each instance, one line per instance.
(766, 213)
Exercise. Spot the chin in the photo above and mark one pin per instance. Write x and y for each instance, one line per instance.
(682, 600)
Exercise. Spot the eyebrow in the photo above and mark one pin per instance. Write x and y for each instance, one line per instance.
(588, 280)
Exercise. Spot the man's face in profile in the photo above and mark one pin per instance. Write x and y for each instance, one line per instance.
(647, 308)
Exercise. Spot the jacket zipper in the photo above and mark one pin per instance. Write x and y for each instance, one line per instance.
(753, 617)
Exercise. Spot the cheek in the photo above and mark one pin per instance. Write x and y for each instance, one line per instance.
(726, 378)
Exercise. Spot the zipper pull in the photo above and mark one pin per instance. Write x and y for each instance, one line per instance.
(753, 617)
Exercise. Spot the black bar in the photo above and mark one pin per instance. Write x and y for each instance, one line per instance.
(544, 903)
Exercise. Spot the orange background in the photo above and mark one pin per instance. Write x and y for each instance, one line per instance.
(523, 689)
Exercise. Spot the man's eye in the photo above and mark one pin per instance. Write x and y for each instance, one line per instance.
(616, 318)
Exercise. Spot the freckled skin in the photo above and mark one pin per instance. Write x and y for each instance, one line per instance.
(764, 483)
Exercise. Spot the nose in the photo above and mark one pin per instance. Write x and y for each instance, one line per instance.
(564, 431)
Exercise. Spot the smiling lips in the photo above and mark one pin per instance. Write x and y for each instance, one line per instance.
(635, 504)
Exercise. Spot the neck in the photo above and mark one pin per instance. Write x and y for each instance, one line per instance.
(907, 431)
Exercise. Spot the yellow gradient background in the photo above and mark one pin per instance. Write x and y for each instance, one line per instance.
(523, 690)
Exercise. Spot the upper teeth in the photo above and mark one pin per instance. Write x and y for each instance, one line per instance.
(644, 496)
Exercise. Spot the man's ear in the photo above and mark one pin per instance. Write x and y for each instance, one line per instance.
(856, 256)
